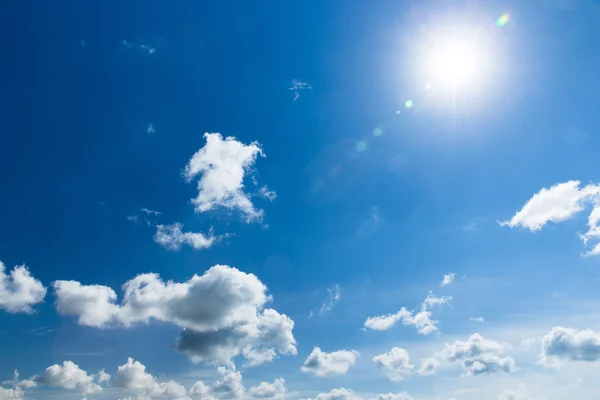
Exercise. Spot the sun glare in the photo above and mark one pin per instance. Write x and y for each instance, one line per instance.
(455, 65)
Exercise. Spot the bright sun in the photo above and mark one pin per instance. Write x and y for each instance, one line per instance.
(455, 65)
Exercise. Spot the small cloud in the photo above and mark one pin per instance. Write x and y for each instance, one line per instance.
(150, 212)
(476, 319)
(448, 279)
(171, 237)
(138, 46)
(267, 193)
(297, 86)
(333, 297)
(150, 129)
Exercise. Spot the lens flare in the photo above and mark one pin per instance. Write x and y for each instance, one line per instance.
(361, 146)
(408, 103)
(503, 20)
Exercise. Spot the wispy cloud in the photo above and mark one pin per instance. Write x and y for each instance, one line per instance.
(172, 237)
(559, 203)
(333, 297)
(448, 279)
(138, 46)
(298, 86)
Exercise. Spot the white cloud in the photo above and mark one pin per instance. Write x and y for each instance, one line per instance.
(394, 396)
(429, 366)
(448, 279)
(478, 356)
(333, 297)
(297, 86)
(132, 376)
(560, 203)
(171, 237)
(222, 165)
(395, 364)
(421, 320)
(476, 319)
(229, 386)
(338, 394)
(70, 376)
(19, 291)
(102, 377)
(150, 212)
(520, 393)
(568, 344)
(267, 193)
(139, 46)
(324, 364)
(222, 312)
(556, 204)
(593, 224)
(594, 252)
(266, 390)
(12, 393)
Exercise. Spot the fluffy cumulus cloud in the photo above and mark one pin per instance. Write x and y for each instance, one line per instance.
(229, 386)
(394, 396)
(70, 376)
(15, 389)
(19, 291)
(559, 203)
(448, 279)
(324, 364)
(338, 394)
(222, 165)
(568, 344)
(395, 364)
(477, 356)
(172, 237)
(221, 312)
(520, 393)
(132, 376)
(15, 393)
(347, 394)
(421, 320)
(272, 391)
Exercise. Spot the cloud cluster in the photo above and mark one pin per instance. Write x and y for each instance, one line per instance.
(272, 391)
(568, 344)
(395, 364)
(476, 355)
(421, 320)
(70, 376)
(324, 364)
(19, 291)
(171, 237)
(559, 203)
(347, 394)
(222, 165)
(132, 376)
(221, 312)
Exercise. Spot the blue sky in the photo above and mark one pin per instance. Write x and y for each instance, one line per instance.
(357, 156)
